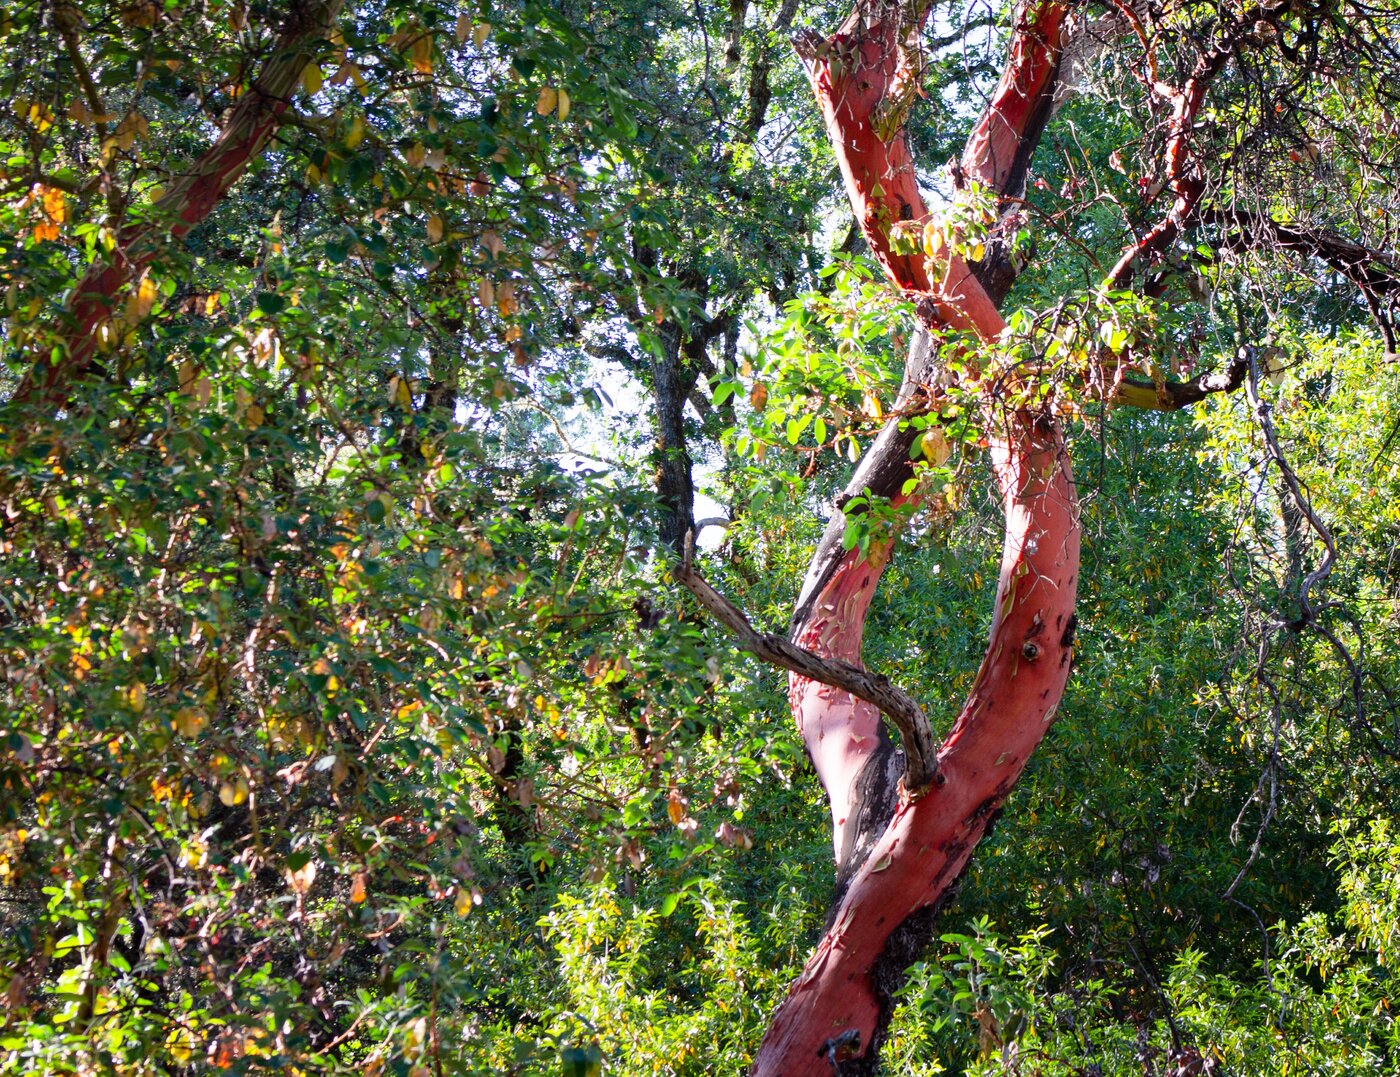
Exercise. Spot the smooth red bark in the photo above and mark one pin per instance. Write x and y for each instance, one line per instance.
(997, 145)
(840, 731)
(927, 842)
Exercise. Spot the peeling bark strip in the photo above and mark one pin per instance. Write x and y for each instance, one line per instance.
(898, 859)
(187, 201)
(998, 152)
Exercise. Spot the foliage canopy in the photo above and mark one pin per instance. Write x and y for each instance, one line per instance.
(361, 366)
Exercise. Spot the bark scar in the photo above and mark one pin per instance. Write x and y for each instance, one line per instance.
(840, 1048)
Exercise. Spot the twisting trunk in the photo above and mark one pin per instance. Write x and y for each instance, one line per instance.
(900, 849)
(909, 865)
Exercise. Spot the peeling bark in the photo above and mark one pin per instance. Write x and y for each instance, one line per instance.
(927, 842)
(899, 853)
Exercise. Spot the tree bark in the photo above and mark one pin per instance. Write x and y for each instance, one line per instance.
(899, 850)
(187, 201)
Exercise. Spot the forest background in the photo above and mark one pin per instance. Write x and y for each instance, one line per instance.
(362, 366)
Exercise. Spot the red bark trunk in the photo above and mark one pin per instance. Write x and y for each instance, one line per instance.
(928, 841)
(908, 862)
(187, 202)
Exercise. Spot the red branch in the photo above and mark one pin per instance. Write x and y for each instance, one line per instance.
(929, 840)
(930, 837)
(187, 202)
(997, 150)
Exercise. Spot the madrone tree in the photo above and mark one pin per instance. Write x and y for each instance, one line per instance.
(502, 148)
(1225, 98)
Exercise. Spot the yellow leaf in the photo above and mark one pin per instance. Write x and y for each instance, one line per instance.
(41, 116)
(548, 99)
(933, 240)
(136, 697)
(133, 125)
(466, 899)
(180, 1044)
(434, 228)
(312, 78)
(189, 721)
(80, 113)
(356, 134)
(141, 300)
(55, 204)
(401, 392)
(233, 791)
(933, 444)
(564, 104)
(253, 417)
(421, 53)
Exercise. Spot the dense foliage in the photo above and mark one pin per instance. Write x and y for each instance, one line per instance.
(349, 717)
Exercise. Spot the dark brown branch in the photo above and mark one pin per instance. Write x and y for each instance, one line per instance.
(1372, 270)
(875, 688)
(760, 87)
(1175, 395)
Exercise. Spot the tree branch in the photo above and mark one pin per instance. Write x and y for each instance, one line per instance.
(186, 202)
(1175, 395)
(875, 688)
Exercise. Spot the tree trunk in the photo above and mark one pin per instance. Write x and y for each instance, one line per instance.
(899, 851)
